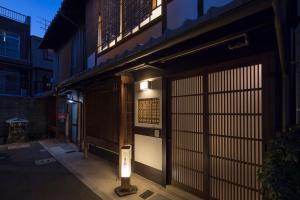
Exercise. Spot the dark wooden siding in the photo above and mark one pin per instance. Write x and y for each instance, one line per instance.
(77, 59)
(91, 25)
(103, 114)
(64, 69)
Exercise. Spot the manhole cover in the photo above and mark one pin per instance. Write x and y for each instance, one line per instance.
(44, 161)
(146, 194)
(159, 197)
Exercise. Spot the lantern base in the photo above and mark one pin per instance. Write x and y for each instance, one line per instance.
(124, 191)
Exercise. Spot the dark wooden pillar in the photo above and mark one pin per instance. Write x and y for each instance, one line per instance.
(126, 104)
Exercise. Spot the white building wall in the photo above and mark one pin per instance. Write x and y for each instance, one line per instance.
(148, 150)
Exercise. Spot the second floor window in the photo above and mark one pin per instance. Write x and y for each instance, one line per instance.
(9, 45)
(109, 22)
(121, 18)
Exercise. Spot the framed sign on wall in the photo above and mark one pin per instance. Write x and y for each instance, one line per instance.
(149, 111)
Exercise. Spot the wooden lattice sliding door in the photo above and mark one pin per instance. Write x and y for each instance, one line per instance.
(187, 133)
(216, 132)
(235, 133)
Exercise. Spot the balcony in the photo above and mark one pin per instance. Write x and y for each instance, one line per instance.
(15, 16)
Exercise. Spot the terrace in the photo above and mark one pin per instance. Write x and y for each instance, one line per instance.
(15, 16)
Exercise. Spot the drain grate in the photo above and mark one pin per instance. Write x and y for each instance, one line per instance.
(71, 151)
(159, 197)
(146, 194)
(66, 147)
(4, 156)
(44, 161)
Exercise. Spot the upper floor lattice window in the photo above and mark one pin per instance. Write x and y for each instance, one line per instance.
(121, 18)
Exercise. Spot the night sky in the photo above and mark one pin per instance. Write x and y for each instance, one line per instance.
(36, 9)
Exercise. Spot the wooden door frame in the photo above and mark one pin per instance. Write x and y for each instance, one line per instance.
(269, 80)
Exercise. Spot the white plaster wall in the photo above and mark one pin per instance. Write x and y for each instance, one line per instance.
(180, 10)
(91, 61)
(154, 92)
(148, 151)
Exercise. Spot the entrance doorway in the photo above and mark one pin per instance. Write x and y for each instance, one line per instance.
(74, 123)
(216, 132)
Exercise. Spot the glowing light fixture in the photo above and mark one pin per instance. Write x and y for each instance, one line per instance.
(126, 162)
(145, 85)
(126, 188)
(70, 101)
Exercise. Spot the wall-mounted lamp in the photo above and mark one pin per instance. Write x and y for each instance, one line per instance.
(145, 85)
(126, 188)
(74, 98)
(70, 101)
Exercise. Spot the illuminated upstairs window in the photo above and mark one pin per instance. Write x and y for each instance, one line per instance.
(120, 18)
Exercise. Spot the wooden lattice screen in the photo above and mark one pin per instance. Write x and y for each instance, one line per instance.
(149, 111)
(134, 12)
(218, 116)
(235, 120)
(187, 132)
(110, 20)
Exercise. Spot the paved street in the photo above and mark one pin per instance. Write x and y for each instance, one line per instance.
(24, 176)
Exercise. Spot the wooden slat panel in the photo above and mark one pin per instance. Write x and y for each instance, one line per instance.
(187, 133)
(234, 110)
(235, 117)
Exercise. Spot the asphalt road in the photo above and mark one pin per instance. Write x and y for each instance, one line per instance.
(22, 179)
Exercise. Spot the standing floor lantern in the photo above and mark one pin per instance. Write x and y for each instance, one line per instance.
(125, 188)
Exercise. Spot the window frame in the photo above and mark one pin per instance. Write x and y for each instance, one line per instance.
(12, 36)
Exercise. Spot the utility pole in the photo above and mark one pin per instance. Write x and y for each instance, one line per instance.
(44, 23)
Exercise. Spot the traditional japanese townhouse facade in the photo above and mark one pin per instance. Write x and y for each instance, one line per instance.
(197, 88)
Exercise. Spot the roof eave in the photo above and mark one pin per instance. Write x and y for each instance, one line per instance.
(201, 28)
